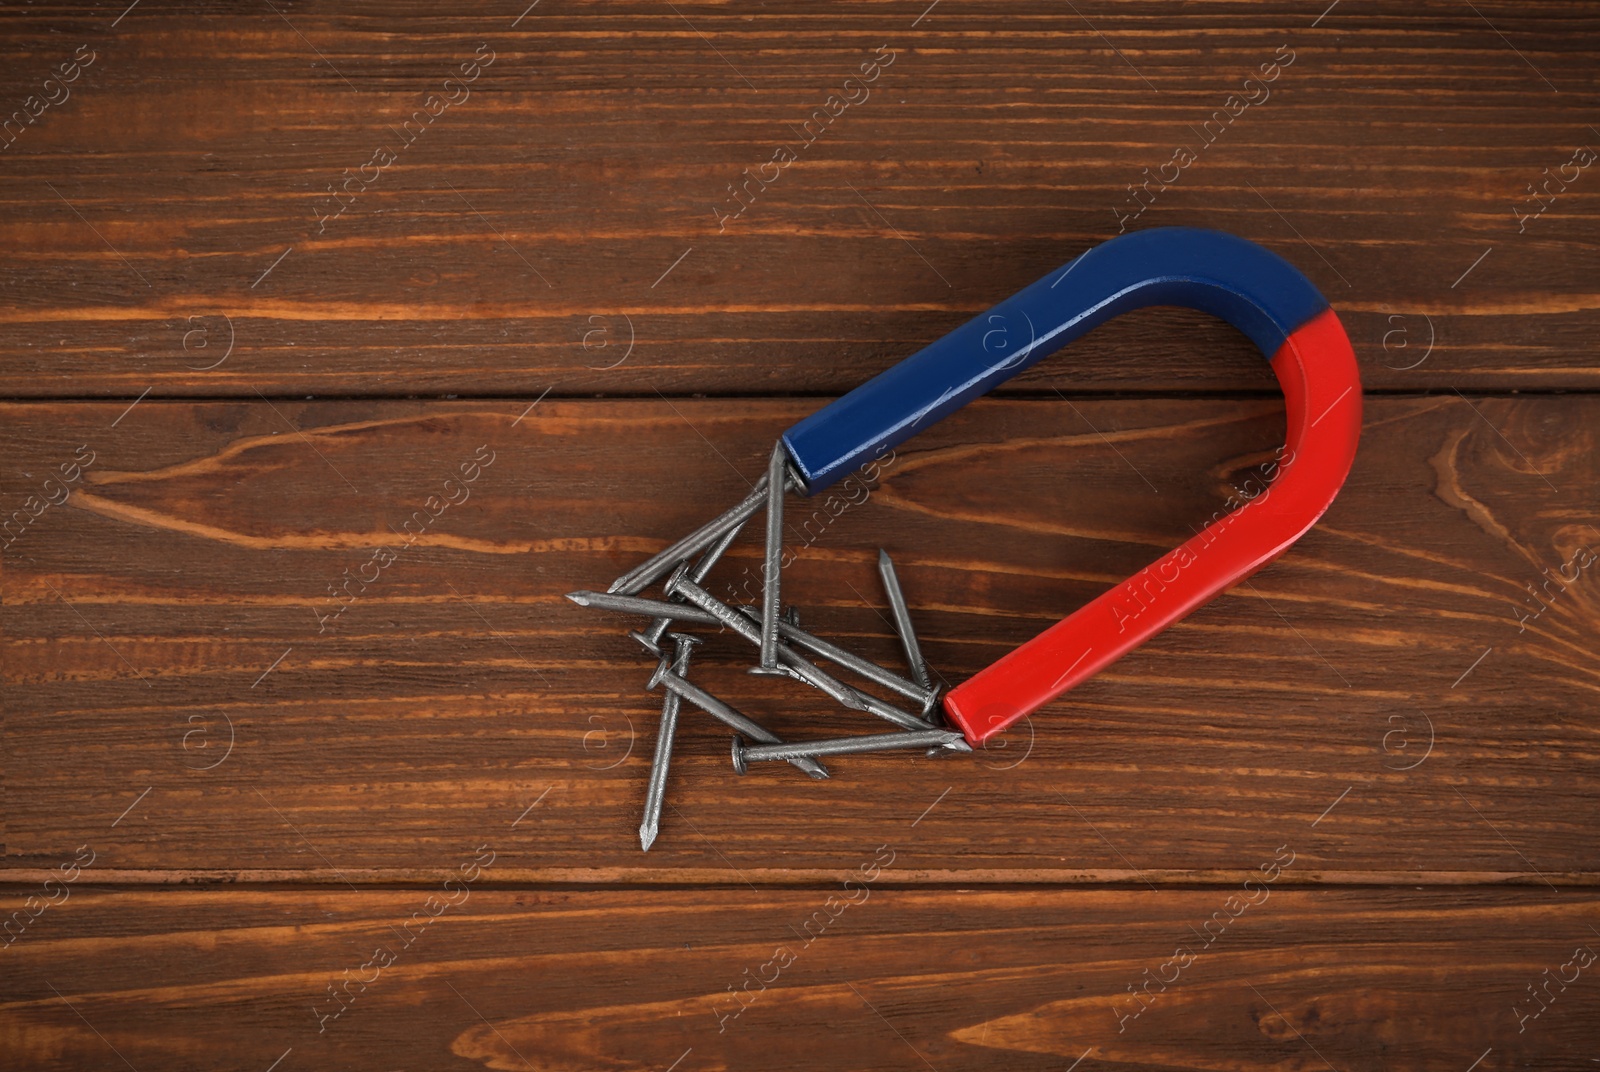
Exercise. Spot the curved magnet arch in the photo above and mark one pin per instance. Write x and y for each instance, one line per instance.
(1234, 279)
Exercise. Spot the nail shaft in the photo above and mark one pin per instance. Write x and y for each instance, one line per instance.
(728, 716)
(634, 605)
(902, 621)
(657, 566)
(777, 484)
(865, 667)
(890, 713)
(842, 746)
(808, 671)
(656, 791)
(651, 637)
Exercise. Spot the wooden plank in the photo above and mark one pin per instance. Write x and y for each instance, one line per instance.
(1373, 690)
(1269, 979)
(168, 223)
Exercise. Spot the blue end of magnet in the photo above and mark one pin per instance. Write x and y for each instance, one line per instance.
(1250, 287)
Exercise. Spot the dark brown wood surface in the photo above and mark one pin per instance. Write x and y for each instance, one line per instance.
(179, 601)
(223, 794)
(592, 152)
(872, 977)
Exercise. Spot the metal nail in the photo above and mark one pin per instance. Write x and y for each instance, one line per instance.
(654, 608)
(728, 716)
(792, 664)
(902, 620)
(651, 637)
(890, 713)
(842, 746)
(848, 659)
(777, 484)
(656, 792)
(658, 565)
(808, 671)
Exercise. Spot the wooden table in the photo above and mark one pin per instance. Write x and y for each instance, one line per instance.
(341, 343)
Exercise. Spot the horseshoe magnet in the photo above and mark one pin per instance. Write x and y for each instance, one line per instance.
(1253, 289)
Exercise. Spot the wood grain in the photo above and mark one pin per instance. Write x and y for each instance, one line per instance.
(616, 979)
(1374, 689)
(560, 218)
(270, 697)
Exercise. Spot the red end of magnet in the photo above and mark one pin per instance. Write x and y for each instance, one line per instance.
(1322, 395)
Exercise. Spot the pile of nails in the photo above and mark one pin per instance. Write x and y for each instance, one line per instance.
(779, 639)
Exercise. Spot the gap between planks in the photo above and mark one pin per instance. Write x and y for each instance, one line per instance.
(1017, 394)
(625, 878)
